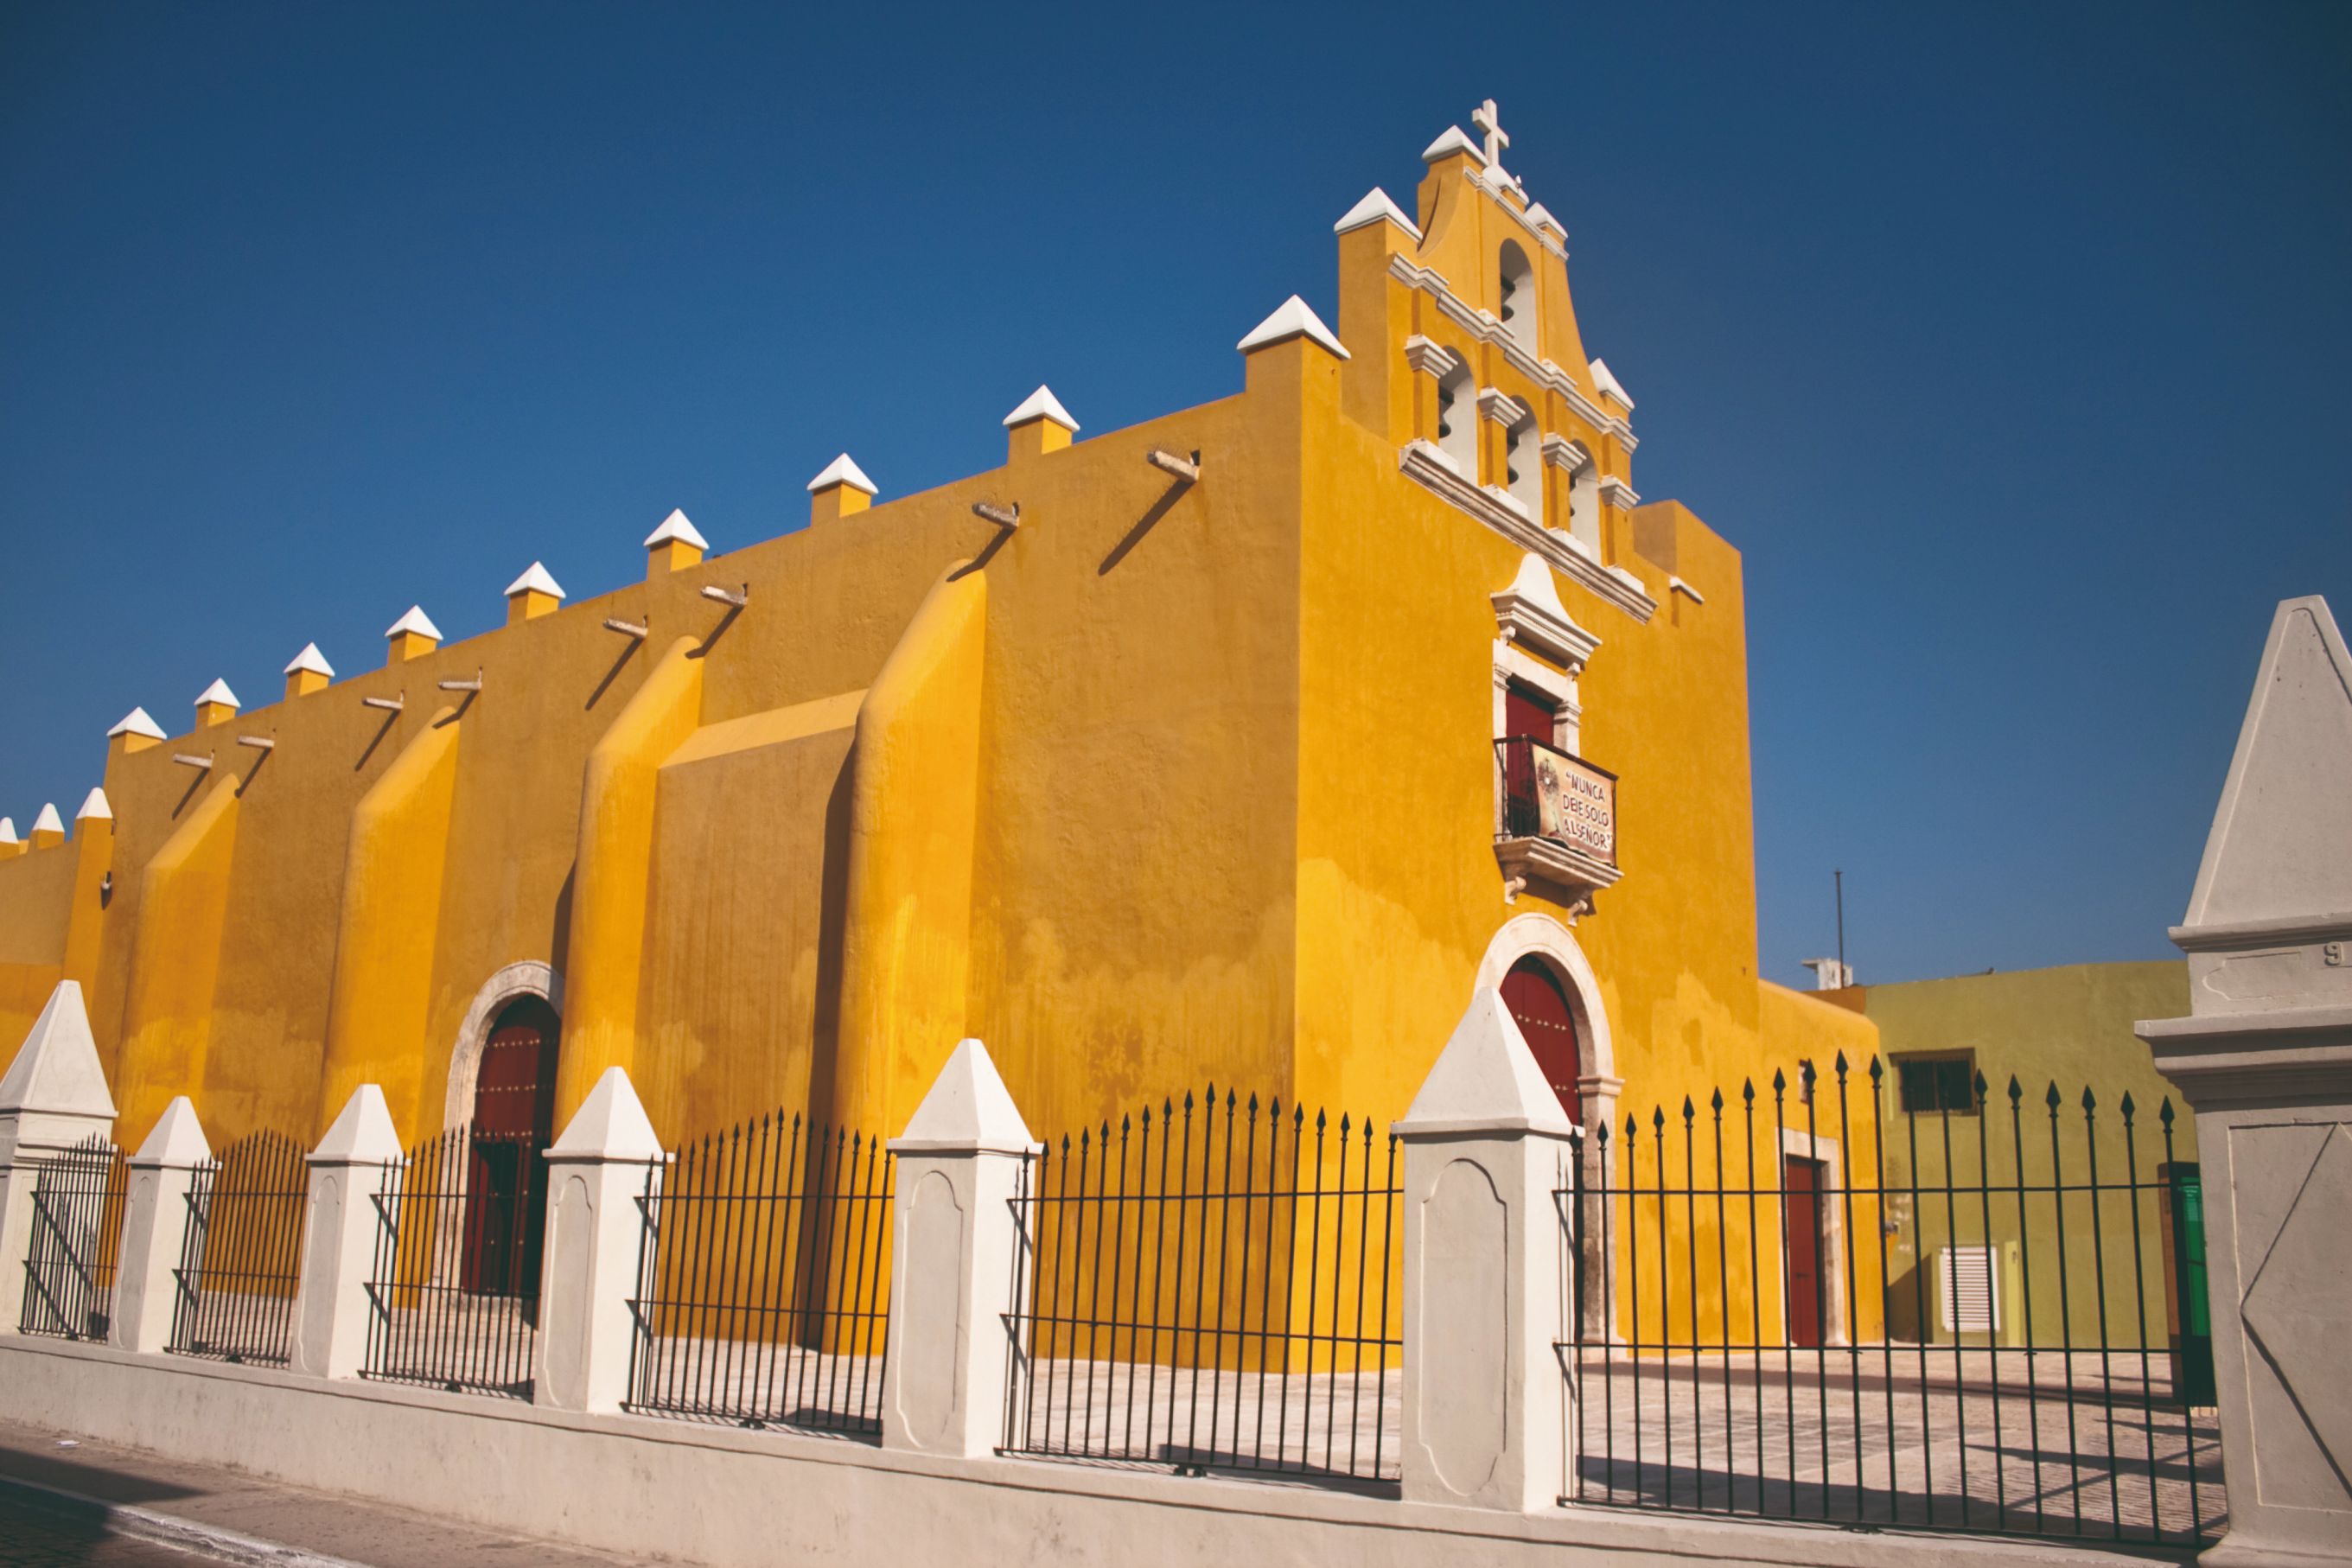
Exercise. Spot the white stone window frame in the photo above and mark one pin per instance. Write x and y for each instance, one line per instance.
(1528, 616)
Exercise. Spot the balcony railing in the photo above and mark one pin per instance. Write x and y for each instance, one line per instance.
(1559, 817)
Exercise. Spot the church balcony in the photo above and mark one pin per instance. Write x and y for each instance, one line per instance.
(1559, 824)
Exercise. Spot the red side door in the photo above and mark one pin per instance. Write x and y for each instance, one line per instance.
(1802, 1215)
(1539, 1007)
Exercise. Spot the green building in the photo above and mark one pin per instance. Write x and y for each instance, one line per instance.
(2015, 1221)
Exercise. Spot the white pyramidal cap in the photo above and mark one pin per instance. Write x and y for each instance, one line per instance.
(8, 831)
(94, 806)
(611, 1125)
(1456, 140)
(968, 1110)
(1291, 319)
(55, 1069)
(1534, 586)
(363, 1134)
(311, 660)
(48, 821)
(1039, 404)
(416, 621)
(2280, 849)
(1540, 216)
(136, 722)
(843, 470)
(218, 692)
(1607, 381)
(1486, 1080)
(537, 581)
(673, 527)
(1375, 207)
(177, 1140)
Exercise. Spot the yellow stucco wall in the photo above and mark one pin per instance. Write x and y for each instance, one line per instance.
(2069, 1027)
(1176, 783)
(36, 894)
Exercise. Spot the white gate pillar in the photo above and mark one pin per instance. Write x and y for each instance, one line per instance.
(155, 1227)
(2265, 1058)
(343, 1226)
(1486, 1285)
(954, 1231)
(597, 1182)
(52, 1097)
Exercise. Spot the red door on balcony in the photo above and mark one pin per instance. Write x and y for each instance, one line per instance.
(1540, 1007)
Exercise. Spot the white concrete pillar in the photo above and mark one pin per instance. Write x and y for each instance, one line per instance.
(155, 1228)
(954, 1230)
(2265, 1058)
(597, 1177)
(52, 1097)
(340, 1235)
(1486, 1285)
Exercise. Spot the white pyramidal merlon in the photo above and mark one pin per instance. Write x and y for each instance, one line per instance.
(48, 821)
(536, 580)
(673, 527)
(218, 692)
(94, 805)
(136, 722)
(1456, 140)
(1376, 207)
(416, 621)
(55, 1070)
(312, 661)
(1039, 404)
(1292, 319)
(8, 831)
(1607, 383)
(1540, 216)
(843, 470)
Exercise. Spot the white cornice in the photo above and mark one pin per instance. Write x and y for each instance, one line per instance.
(1487, 330)
(1615, 491)
(1502, 407)
(1429, 358)
(1428, 467)
(1676, 585)
(1567, 452)
(1529, 614)
(1478, 178)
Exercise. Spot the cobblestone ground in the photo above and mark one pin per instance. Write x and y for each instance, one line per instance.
(32, 1537)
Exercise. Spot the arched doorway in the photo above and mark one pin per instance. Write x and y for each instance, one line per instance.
(506, 1184)
(1539, 1006)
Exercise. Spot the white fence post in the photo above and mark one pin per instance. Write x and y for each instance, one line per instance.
(1486, 1419)
(2265, 1057)
(953, 1234)
(332, 1309)
(595, 1240)
(154, 1225)
(52, 1097)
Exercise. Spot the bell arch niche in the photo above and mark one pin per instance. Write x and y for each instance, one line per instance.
(1536, 959)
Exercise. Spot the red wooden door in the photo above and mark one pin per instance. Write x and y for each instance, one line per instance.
(506, 1181)
(1525, 713)
(1802, 1218)
(1540, 1009)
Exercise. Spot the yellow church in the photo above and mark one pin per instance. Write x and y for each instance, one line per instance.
(1242, 746)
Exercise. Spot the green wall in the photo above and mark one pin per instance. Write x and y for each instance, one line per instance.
(2070, 1027)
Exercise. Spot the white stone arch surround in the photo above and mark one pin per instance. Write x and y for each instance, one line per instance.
(1540, 936)
(532, 977)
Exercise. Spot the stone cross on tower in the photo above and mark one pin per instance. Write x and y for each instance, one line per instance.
(1489, 118)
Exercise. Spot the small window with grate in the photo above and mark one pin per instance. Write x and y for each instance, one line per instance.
(1933, 1084)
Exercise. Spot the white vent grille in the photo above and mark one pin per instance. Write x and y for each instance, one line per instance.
(1971, 1294)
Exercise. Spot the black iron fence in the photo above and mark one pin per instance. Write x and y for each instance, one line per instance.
(453, 1293)
(1976, 1316)
(763, 1293)
(241, 1252)
(76, 1232)
(1208, 1287)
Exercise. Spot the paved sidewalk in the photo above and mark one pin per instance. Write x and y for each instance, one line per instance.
(95, 1503)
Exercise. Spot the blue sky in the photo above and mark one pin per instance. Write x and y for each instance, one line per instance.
(2007, 343)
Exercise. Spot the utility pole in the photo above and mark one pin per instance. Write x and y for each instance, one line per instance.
(1846, 977)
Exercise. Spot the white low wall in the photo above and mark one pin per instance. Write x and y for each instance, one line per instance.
(668, 1490)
